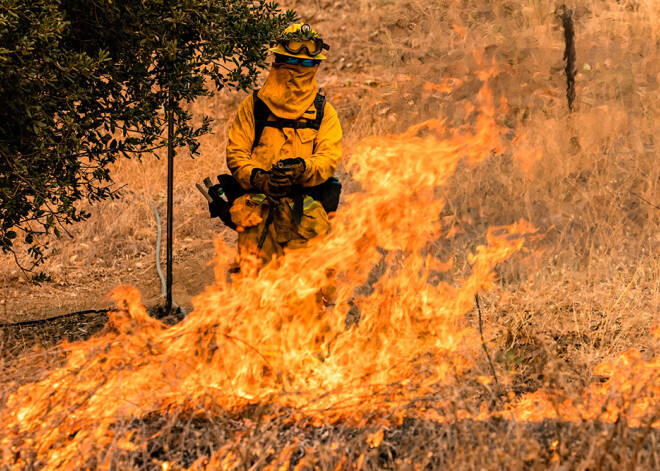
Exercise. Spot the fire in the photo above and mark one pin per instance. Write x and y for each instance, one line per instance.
(445, 86)
(267, 339)
(629, 392)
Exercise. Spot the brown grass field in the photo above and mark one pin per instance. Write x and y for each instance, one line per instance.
(570, 314)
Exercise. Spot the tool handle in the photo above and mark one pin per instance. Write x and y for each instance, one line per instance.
(203, 191)
(208, 183)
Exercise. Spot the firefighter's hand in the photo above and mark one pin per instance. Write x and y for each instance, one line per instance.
(290, 168)
(270, 184)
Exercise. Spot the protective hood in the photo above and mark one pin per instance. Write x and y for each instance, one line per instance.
(289, 90)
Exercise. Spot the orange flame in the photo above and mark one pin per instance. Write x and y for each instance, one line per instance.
(629, 392)
(445, 86)
(266, 337)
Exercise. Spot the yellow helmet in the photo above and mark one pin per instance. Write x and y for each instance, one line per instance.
(300, 40)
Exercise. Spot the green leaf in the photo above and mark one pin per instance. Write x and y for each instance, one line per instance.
(84, 82)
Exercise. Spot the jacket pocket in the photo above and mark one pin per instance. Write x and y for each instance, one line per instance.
(314, 219)
(307, 139)
(248, 210)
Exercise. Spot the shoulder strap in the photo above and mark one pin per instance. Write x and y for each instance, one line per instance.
(319, 103)
(261, 114)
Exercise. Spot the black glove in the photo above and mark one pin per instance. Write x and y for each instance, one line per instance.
(269, 183)
(290, 168)
(218, 206)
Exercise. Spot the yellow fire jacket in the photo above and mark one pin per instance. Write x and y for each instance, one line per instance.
(321, 150)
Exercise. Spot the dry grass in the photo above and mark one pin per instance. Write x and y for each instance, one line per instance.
(585, 293)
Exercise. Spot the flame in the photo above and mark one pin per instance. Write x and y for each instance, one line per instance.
(445, 86)
(266, 338)
(629, 392)
(459, 30)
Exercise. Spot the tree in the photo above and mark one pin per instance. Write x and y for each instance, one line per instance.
(84, 82)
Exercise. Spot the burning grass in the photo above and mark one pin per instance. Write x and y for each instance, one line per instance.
(266, 338)
(264, 349)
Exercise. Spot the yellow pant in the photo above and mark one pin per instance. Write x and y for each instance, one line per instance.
(250, 213)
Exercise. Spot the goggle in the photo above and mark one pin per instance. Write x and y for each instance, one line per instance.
(313, 47)
(282, 59)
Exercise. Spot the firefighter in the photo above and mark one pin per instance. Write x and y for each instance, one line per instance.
(284, 144)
